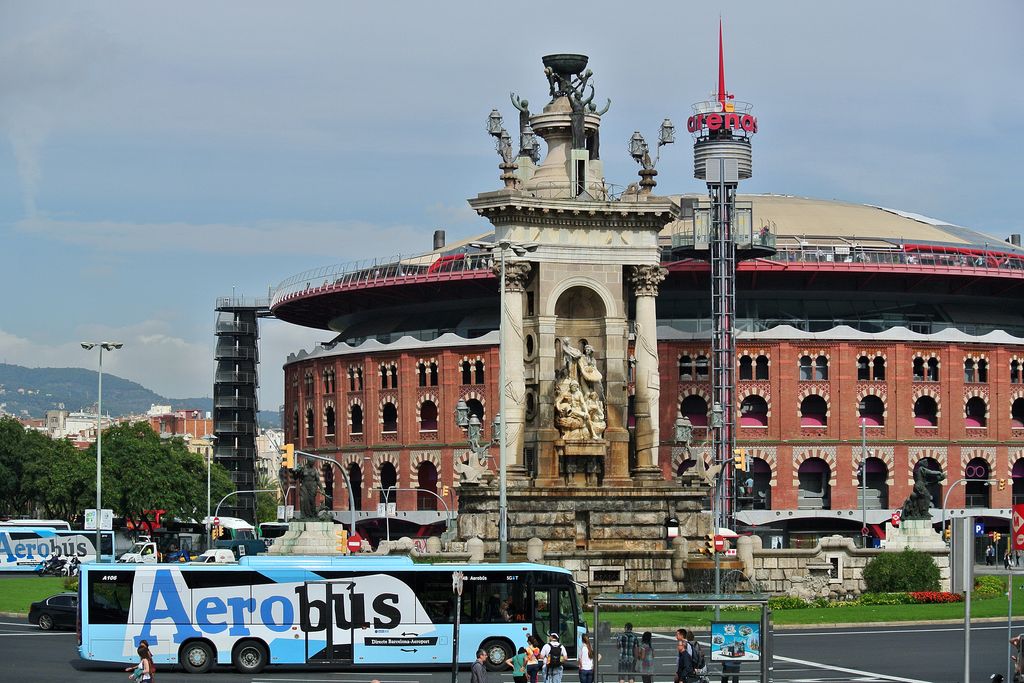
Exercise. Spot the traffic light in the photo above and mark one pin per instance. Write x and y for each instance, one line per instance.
(709, 545)
(444, 491)
(739, 459)
(288, 456)
(342, 543)
(1002, 484)
(217, 532)
(996, 536)
(947, 533)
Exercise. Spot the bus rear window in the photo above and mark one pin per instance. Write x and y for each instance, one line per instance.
(110, 597)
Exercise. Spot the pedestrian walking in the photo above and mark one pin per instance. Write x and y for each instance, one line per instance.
(477, 672)
(645, 658)
(730, 669)
(518, 664)
(144, 670)
(628, 645)
(1006, 560)
(990, 555)
(553, 655)
(586, 661)
(533, 663)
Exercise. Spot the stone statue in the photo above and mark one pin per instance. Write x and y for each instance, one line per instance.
(470, 468)
(919, 502)
(524, 123)
(307, 479)
(579, 394)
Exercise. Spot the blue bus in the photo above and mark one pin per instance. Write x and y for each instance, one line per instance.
(338, 611)
(24, 548)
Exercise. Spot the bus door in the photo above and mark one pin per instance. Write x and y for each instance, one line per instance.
(327, 642)
(554, 612)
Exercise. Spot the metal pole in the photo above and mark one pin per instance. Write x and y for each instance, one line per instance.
(718, 583)
(216, 512)
(457, 578)
(968, 586)
(864, 481)
(387, 517)
(209, 458)
(1009, 620)
(502, 445)
(99, 458)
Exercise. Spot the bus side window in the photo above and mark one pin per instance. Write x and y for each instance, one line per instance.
(110, 597)
(435, 594)
(542, 612)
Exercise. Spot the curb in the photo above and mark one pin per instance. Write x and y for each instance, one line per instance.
(874, 624)
(14, 615)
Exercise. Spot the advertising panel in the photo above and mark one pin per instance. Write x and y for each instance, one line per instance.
(733, 641)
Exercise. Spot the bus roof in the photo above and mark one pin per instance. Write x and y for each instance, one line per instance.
(40, 523)
(357, 562)
(229, 522)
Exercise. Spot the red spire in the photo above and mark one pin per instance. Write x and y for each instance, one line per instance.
(721, 67)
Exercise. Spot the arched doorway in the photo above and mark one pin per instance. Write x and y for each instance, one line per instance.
(388, 479)
(876, 490)
(355, 479)
(976, 486)
(755, 488)
(935, 490)
(328, 477)
(695, 408)
(426, 478)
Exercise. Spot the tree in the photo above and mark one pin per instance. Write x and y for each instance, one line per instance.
(266, 503)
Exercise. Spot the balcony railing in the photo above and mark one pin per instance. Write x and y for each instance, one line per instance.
(233, 452)
(234, 427)
(235, 327)
(976, 500)
(236, 402)
(231, 351)
(235, 376)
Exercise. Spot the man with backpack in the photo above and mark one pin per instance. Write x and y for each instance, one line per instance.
(554, 655)
(629, 643)
(700, 664)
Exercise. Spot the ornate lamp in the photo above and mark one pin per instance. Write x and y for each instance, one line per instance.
(462, 414)
(681, 429)
(637, 147)
(529, 143)
(475, 429)
(717, 421)
(496, 426)
(667, 134)
(495, 125)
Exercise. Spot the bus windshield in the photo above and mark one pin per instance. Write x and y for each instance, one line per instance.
(350, 611)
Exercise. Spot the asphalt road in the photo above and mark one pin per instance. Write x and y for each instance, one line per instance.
(922, 654)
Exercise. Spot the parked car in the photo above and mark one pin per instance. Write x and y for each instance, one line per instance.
(55, 611)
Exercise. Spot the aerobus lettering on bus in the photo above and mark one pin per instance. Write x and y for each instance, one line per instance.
(21, 546)
(391, 613)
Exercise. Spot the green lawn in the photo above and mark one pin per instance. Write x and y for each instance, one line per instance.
(16, 594)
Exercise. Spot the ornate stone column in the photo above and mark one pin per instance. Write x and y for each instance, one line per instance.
(513, 344)
(645, 280)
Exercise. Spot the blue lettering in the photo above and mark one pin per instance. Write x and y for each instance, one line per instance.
(163, 587)
(238, 607)
(5, 543)
(211, 607)
(19, 550)
(267, 614)
(44, 549)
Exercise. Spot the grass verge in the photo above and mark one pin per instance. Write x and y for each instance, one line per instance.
(16, 594)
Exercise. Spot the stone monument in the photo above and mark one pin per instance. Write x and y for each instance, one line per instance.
(313, 531)
(915, 530)
(580, 355)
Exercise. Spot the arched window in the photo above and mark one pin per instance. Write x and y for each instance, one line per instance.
(359, 379)
(328, 381)
(863, 369)
(383, 377)
(1015, 372)
(821, 368)
(695, 408)
(806, 369)
(761, 367)
(388, 479)
(685, 368)
(307, 382)
(969, 370)
(295, 424)
(934, 490)
(356, 419)
(426, 482)
(755, 486)
(421, 373)
(428, 416)
(702, 368)
(933, 369)
(351, 379)
(310, 424)
(975, 412)
(919, 369)
(813, 412)
(390, 416)
(478, 372)
(393, 371)
(926, 412)
(467, 372)
(432, 373)
(746, 367)
(754, 412)
(874, 491)
(327, 473)
(329, 420)
(476, 408)
(355, 479)
(976, 489)
(872, 411)
(983, 371)
(813, 477)
(1017, 414)
(879, 369)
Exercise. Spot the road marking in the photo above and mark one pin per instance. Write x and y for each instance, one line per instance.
(844, 670)
(35, 634)
(15, 623)
(955, 628)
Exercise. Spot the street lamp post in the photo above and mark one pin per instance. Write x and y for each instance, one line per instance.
(210, 438)
(108, 346)
(501, 247)
(864, 481)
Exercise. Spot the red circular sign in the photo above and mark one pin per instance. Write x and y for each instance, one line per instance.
(216, 521)
(355, 542)
(896, 518)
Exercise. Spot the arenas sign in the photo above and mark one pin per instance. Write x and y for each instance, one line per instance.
(722, 121)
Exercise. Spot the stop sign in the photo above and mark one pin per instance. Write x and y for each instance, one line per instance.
(895, 519)
(355, 542)
(216, 521)
(719, 543)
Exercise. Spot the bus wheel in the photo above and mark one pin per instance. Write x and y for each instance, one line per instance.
(249, 657)
(196, 657)
(498, 650)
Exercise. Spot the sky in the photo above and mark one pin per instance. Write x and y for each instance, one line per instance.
(156, 156)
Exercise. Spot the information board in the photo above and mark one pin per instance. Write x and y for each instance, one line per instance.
(735, 641)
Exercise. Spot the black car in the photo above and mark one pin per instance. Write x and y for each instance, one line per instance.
(54, 612)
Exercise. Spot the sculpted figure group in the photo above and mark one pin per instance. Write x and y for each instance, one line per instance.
(579, 394)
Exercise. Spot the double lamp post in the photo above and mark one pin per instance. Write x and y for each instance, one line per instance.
(103, 346)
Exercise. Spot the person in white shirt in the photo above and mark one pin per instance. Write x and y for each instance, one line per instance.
(586, 661)
(553, 655)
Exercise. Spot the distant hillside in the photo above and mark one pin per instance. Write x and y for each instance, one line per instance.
(30, 392)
